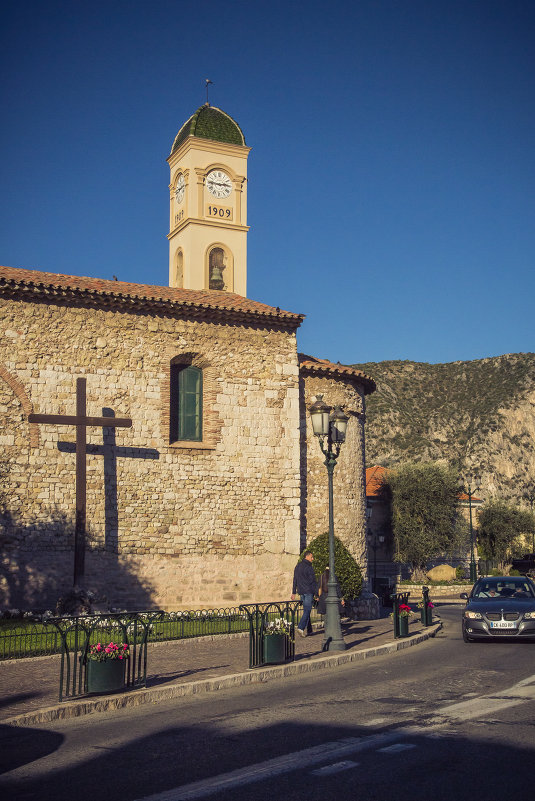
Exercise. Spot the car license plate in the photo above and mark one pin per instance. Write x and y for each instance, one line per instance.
(503, 624)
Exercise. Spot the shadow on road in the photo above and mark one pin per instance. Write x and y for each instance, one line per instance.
(442, 766)
(18, 747)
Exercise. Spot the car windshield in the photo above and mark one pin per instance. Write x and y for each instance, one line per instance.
(503, 588)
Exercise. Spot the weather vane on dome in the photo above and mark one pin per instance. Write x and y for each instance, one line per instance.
(208, 82)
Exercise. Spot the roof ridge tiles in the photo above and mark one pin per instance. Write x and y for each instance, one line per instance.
(325, 367)
(222, 303)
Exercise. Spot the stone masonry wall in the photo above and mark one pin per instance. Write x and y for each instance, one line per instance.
(170, 526)
(348, 479)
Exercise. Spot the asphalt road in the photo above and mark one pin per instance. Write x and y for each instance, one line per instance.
(443, 720)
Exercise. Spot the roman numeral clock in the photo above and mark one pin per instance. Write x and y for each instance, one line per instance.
(218, 184)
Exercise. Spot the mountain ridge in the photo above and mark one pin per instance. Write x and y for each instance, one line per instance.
(478, 415)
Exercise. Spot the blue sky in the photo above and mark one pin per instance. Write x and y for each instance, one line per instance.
(392, 171)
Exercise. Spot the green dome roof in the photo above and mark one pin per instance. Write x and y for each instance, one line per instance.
(209, 122)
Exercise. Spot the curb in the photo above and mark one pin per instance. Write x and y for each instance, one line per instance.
(74, 709)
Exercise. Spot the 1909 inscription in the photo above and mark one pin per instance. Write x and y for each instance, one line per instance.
(221, 212)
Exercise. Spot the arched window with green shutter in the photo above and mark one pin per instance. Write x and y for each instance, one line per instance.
(186, 403)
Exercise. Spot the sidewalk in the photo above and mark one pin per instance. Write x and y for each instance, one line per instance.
(29, 687)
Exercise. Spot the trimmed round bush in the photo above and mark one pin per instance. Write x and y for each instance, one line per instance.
(346, 568)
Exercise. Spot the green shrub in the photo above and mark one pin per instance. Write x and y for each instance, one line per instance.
(496, 572)
(459, 572)
(514, 572)
(346, 568)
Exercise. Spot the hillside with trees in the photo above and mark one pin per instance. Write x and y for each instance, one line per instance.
(478, 413)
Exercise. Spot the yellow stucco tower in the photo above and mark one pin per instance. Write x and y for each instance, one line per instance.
(208, 204)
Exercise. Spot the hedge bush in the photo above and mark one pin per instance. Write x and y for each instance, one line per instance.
(346, 568)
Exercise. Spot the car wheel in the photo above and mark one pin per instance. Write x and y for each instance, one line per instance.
(466, 638)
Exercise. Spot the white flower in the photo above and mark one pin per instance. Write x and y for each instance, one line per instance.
(278, 626)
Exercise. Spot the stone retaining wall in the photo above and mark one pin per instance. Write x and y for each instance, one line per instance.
(435, 591)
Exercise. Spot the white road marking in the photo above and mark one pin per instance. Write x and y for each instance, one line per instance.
(274, 767)
(485, 705)
(328, 770)
(465, 710)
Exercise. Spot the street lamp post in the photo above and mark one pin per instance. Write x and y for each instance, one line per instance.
(530, 495)
(330, 428)
(469, 490)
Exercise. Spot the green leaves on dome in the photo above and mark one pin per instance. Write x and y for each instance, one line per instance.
(209, 122)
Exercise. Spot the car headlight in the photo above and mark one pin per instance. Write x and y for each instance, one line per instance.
(529, 615)
(474, 615)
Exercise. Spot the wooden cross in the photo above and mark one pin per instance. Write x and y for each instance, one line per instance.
(81, 421)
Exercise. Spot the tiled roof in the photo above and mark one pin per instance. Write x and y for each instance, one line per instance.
(101, 293)
(210, 122)
(374, 479)
(464, 497)
(313, 366)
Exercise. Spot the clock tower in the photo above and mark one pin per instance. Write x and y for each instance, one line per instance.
(208, 204)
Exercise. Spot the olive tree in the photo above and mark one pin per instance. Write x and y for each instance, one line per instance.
(500, 528)
(424, 505)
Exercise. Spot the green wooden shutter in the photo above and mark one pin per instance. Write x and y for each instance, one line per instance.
(190, 404)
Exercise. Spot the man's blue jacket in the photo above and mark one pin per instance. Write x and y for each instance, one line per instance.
(304, 579)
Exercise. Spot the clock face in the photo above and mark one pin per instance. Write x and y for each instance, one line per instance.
(180, 189)
(218, 184)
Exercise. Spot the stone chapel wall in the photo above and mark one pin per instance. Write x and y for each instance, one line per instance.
(169, 527)
(349, 478)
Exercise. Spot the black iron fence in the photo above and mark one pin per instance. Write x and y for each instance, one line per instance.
(427, 607)
(27, 637)
(198, 623)
(398, 599)
(260, 617)
(31, 636)
(78, 634)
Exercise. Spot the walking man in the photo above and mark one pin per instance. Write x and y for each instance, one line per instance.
(305, 585)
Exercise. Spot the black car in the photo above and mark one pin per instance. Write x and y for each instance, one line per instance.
(499, 606)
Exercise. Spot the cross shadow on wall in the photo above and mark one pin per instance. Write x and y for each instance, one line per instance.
(24, 584)
(110, 452)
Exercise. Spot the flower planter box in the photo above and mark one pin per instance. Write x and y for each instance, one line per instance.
(427, 615)
(105, 677)
(403, 621)
(274, 649)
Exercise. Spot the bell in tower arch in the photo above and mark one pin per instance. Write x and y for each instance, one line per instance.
(216, 267)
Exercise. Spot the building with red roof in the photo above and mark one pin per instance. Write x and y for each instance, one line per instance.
(212, 492)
